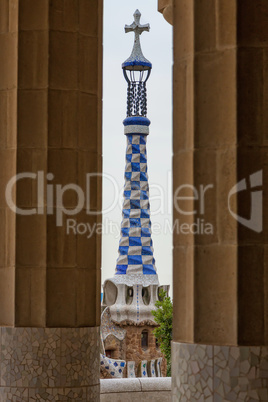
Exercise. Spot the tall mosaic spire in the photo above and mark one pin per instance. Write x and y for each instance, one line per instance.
(132, 292)
(135, 246)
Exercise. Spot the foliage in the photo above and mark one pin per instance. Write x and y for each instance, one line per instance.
(163, 316)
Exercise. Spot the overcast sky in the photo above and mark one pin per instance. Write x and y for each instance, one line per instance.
(157, 47)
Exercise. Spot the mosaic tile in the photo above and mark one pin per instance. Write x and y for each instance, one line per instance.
(137, 56)
(79, 394)
(109, 328)
(114, 367)
(79, 357)
(219, 373)
(58, 394)
(93, 393)
(151, 368)
(131, 369)
(158, 365)
(16, 357)
(49, 359)
(135, 246)
(142, 370)
(14, 394)
(45, 371)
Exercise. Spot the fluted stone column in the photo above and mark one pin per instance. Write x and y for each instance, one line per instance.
(8, 127)
(50, 95)
(220, 338)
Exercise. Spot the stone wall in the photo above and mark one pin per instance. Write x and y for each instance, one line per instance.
(135, 352)
(136, 389)
(130, 348)
(118, 349)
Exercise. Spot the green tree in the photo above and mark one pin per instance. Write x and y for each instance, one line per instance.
(163, 316)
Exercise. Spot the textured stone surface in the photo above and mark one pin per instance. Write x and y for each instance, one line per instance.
(126, 385)
(219, 373)
(49, 364)
(134, 351)
(109, 328)
(152, 384)
(136, 389)
(50, 394)
(130, 349)
(163, 396)
(14, 394)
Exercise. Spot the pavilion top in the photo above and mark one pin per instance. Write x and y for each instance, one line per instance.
(137, 61)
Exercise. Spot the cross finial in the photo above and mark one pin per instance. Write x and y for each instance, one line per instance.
(136, 26)
(136, 57)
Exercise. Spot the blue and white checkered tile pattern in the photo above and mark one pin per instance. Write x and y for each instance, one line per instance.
(135, 246)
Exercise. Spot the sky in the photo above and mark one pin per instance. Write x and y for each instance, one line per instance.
(156, 47)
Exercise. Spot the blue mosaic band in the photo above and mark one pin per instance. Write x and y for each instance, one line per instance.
(139, 63)
(135, 246)
(136, 121)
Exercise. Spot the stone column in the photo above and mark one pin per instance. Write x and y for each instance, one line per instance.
(166, 8)
(220, 333)
(8, 127)
(50, 94)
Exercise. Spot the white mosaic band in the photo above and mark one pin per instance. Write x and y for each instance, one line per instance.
(136, 129)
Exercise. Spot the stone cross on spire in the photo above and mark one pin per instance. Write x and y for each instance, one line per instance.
(136, 26)
(136, 56)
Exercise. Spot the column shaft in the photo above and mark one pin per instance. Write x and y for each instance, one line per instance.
(220, 97)
(8, 133)
(52, 74)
